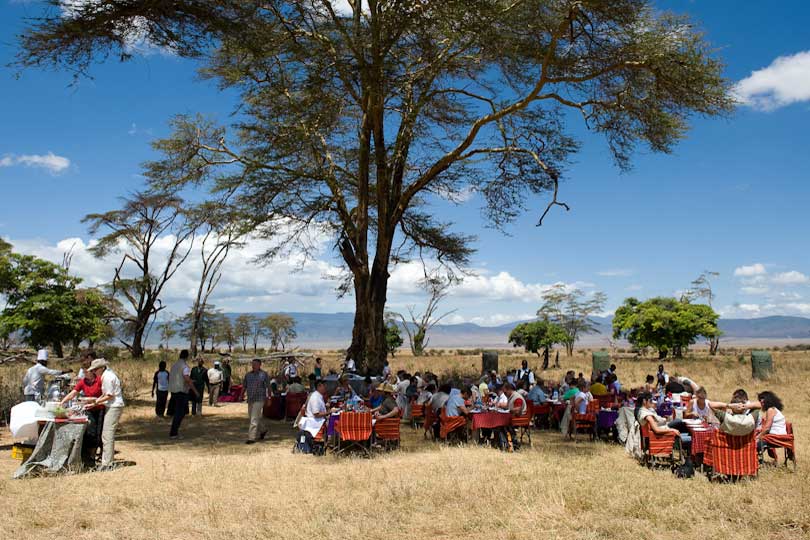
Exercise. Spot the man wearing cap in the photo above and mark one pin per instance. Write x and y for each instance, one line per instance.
(180, 386)
(34, 379)
(257, 388)
(389, 406)
(214, 383)
(112, 397)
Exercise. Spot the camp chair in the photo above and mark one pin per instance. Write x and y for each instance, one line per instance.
(417, 414)
(387, 431)
(430, 421)
(541, 414)
(319, 442)
(451, 425)
(523, 424)
(605, 401)
(293, 404)
(656, 447)
(355, 431)
(731, 456)
(586, 421)
(786, 442)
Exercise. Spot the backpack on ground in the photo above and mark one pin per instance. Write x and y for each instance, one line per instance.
(304, 443)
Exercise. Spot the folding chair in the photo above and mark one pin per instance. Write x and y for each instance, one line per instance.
(524, 424)
(451, 425)
(732, 457)
(387, 431)
(319, 442)
(786, 442)
(541, 414)
(417, 415)
(355, 432)
(605, 401)
(657, 447)
(586, 421)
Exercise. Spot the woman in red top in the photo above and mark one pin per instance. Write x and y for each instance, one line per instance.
(90, 386)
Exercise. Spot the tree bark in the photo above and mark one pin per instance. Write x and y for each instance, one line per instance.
(545, 358)
(368, 346)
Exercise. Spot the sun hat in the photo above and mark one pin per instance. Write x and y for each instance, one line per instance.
(98, 363)
(386, 388)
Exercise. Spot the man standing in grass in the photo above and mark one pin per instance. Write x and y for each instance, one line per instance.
(257, 387)
(214, 384)
(180, 386)
(199, 376)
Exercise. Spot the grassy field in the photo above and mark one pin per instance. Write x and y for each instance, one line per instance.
(210, 485)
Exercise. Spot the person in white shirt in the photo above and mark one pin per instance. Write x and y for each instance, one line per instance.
(214, 384)
(350, 366)
(180, 386)
(112, 397)
(160, 383)
(316, 411)
(34, 379)
(501, 401)
(524, 373)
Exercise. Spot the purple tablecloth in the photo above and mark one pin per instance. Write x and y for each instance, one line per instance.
(606, 419)
(330, 427)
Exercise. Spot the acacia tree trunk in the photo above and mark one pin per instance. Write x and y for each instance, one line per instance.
(714, 344)
(136, 348)
(368, 346)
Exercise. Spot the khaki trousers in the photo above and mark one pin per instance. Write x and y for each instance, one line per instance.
(257, 421)
(111, 418)
(213, 394)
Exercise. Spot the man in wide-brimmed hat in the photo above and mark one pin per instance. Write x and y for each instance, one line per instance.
(112, 397)
(389, 405)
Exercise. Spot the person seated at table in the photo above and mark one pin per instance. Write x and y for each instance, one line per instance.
(650, 386)
(582, 398)
(645, 414)
(375, 397)
(772, 421)
(296, 387)
(440, 398)
(516, 405)
(599, 389)
(568, 381)
(536, 393)
(316, 411)
(699, 408)
(739, 404)
(412, 390)
(90, 386)
(389, 407)
(426, 394)
(522, 388)
(344, 390)
(455, 405)
(500, 401)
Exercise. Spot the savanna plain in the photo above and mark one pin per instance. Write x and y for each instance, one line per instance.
(210, 485)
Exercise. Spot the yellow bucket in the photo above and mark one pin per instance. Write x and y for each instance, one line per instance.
(21, 451)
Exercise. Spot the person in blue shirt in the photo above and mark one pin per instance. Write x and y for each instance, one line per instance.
(456, 402)
(536, 394)
(375, 397)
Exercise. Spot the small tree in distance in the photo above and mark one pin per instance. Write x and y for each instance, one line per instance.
(280, 329)
(572, 310)
(393, 337)
(243, 329)
(536, 335)
(437, 287)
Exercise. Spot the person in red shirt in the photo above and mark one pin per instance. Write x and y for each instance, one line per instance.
(89, 386)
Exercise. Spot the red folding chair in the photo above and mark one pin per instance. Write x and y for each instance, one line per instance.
(541, 414)
(786, 442)
(732, 456)
(387, 431)
(657, 447)
(452, 425)
(417, 415)
(523, 424)
(430, 421)
(586, 421)
(355, 430)
(605, 401)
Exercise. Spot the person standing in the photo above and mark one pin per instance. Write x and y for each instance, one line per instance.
(214, 384)
(180, 386)
(226, 376)
(85, 359)
(199, 376)
(34, 379)
(89, 386)
(318, 370)
(112, 397)
(257, 388)
(160, 383)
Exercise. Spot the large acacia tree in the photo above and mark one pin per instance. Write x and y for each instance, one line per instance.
(355, 120)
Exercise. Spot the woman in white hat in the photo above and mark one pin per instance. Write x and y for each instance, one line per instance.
(112, 398)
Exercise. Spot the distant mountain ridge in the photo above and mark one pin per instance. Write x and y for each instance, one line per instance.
(334, 330)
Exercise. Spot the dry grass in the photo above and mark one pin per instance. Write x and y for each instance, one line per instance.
(211, 486)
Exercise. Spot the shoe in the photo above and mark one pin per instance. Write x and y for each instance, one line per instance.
(262, 435)
(175, 437)
(250, 442)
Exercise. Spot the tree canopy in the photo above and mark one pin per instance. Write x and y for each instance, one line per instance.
(572, 310)
(665, 324)
(355, 121)
(536, 335)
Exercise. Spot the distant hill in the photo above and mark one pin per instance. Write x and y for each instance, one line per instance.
(334, 330)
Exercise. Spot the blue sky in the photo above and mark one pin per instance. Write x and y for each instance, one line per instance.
(732, 198)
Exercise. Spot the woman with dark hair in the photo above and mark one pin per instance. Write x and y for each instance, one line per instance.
(645, 413)
(774, 421)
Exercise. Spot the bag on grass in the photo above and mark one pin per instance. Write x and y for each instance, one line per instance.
(303, 443)
(737, 424)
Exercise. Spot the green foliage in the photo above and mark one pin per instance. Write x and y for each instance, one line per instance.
(537, 335)
(393, 337)
(243, 329)
(666, 324)
(280, 329)
(572, 310)
(44, 303)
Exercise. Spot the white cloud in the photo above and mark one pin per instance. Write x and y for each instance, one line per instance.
(50, 161)
(616, 272)
(784, 82)
(756, 269)
(790, 278)
(754, 290)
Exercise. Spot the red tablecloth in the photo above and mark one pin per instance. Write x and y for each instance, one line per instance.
(489, 420)
(699, 437)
